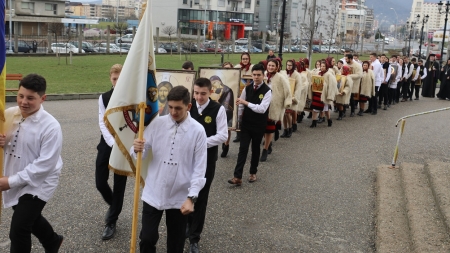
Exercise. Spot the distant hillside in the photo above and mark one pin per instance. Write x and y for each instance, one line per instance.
(402, 7)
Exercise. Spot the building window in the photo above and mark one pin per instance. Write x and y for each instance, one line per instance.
(196, 1)
(29, 6)
(51, 7)
(184, 1)
(221, 3)
(248, 3)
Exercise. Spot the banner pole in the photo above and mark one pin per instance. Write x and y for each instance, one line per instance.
(400, 132)
(137, 184)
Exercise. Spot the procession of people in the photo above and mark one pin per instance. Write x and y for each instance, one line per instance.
(273, 98)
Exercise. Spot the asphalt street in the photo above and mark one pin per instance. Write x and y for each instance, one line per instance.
(315, 193)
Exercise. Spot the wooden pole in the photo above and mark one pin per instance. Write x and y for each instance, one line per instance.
(137, 184)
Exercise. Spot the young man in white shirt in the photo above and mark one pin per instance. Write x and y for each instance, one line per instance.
(114, 197)
(212, 116)
(32, 165)
(176, 173)
(421, 73)
(377, 69)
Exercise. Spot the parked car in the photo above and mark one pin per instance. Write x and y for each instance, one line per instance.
(324, 49)
(160, 50)
(241, 41)
(259, 46)
(127, 38)
(86, 46)
(168, 47)
(113, 48)
(212, 47)
(64, 48)
(334, 49)
(23, 47)
(125, 46)
(343, 49)
(316, 49)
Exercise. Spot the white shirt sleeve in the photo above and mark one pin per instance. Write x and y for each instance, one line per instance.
(417, 73)
(424, 73)
(261, 108)
(410, 71)
(105, 132)
(406, 75)
(388, 74)
(221, 129)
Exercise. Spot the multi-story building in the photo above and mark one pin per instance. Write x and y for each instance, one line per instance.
(30, 17)
(214, 18)
(97, 11)
(435, 21)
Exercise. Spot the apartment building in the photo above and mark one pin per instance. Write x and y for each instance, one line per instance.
(435, 21)
(214, 18)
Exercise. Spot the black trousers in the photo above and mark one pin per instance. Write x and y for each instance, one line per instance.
(113, 197)
(398, 91)
(27, 219)
(391, 95)
(383, 94)
(196, 220)
(247, 136)
(406, 89)
(412, 86)
(373, 101)
(352, 103)
(417, 89)
(176, 229)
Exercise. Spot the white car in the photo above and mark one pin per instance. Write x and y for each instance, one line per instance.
(160, 50)
(127, 38)
(241, 41)
(64, 48)
(113, 48)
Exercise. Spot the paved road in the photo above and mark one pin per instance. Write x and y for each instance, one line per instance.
(314, 194)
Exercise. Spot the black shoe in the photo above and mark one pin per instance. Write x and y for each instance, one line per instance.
(340, 115)
(193, 248)
(374, 113)
(110, 230)
(314, 124)
(379, 106)
(238, 137)
(368, 111)
(277, 135)
(321, 120)
(56, 246)
(410, 99)
(269, 150)
(360, 113)
(285, 133)
(385, 107)
(263, 156)
(294, 128)
(289, 134)
(388, 106)
(352, 114)
(310, 115)
(330, 122)
(225, 149)
(416, 99)
(300, 117)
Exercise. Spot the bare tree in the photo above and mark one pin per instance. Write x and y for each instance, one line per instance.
(110, 14)
(170, 30)
(58, 29)
(120, 28)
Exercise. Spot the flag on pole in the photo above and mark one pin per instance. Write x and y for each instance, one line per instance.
(136, 84)
(2, 86)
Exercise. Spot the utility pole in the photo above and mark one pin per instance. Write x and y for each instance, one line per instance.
(312, 27)
(280, 52)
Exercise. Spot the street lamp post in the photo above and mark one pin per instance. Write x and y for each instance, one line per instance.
(413, 24)
(424, 21)
(280, 52)
(395, 26)
(10, 26)
(447, 9)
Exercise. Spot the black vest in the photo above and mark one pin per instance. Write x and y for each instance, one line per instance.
(208, 120)
(105, 98)
(421, 71)
(410, 74)
(251, 119)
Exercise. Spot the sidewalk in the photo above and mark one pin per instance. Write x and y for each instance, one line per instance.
(53, 97)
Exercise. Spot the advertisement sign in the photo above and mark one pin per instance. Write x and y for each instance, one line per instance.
(439, 35)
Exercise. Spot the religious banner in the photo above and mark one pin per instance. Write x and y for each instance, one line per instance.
(245, 80)
(226, 83)
(292, 85)
(166, 79)
(317, 84)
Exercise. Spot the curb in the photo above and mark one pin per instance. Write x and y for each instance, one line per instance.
(439, 175)
(392, 226)
(55, 97)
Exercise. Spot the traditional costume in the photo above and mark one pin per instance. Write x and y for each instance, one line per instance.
(344, 91)
(421, 74)
(356, 75)
(367, 89)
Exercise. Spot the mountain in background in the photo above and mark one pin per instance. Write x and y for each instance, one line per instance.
(402, 7)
